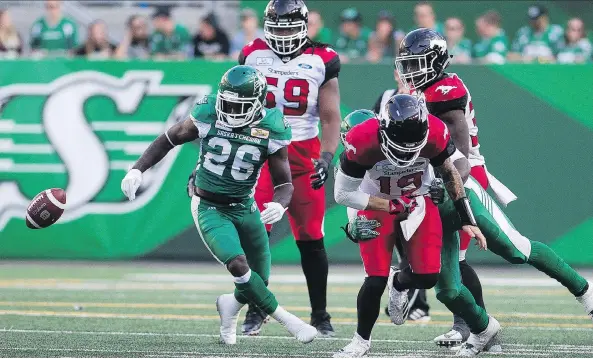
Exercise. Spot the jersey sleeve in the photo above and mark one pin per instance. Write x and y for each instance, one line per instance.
(202, 114)
(439, 146)
(330, 58)
(280, 132)
(361, 149)
(257, 44)
(446, 95)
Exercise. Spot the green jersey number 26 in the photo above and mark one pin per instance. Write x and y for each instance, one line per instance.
(241, 168)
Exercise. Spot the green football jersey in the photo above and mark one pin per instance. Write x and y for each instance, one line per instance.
(63, 36)
(354, 48)
(230, 160)
(178, 41)
(580, 51)
(492, 50)
(544, 44)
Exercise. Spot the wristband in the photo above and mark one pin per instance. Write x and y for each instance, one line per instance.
(465, 212)
(327, 157)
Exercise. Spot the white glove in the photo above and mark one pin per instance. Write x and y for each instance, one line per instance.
(130, 183)
(273, 212)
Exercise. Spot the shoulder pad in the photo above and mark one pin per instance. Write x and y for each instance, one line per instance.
(257, 44)
(326, 53)
(448, 88)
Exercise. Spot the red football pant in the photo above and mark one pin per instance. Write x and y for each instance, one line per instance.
(479, 174)
(307, 207)
(423, 249)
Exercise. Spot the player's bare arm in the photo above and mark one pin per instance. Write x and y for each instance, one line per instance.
(454, 186)
(330, 118)
(281, 177)
(457, 125)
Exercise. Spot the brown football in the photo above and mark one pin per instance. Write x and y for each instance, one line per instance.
(46, 208)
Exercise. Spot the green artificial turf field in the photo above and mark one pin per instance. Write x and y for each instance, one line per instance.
(150, 309)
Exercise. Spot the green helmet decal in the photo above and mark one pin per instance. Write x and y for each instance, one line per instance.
(241, 95)
(354, 118)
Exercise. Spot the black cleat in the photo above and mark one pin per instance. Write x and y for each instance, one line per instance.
(321, 321)
(255, 318)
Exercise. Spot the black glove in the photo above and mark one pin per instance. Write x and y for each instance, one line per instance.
(321, 170)
(191, 188)
(437, 191)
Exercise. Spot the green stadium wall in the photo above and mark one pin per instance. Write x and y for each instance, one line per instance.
(79, 125)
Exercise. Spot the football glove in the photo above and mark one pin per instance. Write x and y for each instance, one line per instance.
(437, 191)
(273, 212)
(321, 170)
(131, 183)
(402, 206)
(361, 229)
(191, 187)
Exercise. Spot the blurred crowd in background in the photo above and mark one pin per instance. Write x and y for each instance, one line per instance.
(161, 37)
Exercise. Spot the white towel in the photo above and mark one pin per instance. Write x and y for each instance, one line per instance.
(501, 192)
(410, 225)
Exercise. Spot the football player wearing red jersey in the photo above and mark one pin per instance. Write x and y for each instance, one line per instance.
(302, 78)
(385, 173)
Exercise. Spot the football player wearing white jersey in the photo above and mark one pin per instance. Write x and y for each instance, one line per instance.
(302, 81)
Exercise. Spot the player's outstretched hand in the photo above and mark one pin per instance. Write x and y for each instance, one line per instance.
(191, 187)
(273, 213)
(361, 229)
(130, 183)
(476, 233)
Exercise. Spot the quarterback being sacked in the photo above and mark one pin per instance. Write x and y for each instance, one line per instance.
(385, 173)
(238, 135)
(302, 81)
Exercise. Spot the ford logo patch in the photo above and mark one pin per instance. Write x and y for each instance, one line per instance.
(305, 66)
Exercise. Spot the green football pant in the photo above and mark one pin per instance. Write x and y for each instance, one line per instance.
(504, 240)
(229, 231)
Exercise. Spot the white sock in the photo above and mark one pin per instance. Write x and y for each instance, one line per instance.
(244, 278)
(282, 316)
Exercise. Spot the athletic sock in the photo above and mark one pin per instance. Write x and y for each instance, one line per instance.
(315, 268)
(251, 288)
(546, 260)
(368, 304)
(465, 306)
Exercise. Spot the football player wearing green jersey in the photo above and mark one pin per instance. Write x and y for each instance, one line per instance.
(237, 136)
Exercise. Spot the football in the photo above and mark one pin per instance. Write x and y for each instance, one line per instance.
(46, 208)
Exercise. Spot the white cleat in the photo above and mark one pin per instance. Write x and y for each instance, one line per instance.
(418, 315)
(398, 301)
(586, 300)
(357, 348)
(228, 308)
(478, 342)
(493, 347)
(302, 331)
(452, 339)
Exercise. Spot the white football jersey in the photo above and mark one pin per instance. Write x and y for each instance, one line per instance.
(293, 86)
(387, 181)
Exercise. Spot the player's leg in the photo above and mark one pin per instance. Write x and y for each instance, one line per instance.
(423, 250)
(305, 214)
(376, 258)
(264, 192)
(504, 240)
(419, 308)
(457, 298)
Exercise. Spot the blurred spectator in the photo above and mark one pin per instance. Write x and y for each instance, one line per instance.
(493, 46)
(135, 42)
(459, 46)
(385, 39)
(250, 31)
(53, 34)
(211, 42)
(169, 40)
(575, 48)
(424, 17)
(96, 45)
(11, 43)
(353, 40)
(316, 31)
(538, 41)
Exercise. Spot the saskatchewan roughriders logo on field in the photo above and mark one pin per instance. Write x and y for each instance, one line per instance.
(82, 132)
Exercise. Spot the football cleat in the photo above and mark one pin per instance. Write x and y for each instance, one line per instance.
(476, 343)
(398, 301)
(587, 300)
(357, 348)
(302, 331)
(228, 308)
(493, 347)
(321, 321)
(452, 338)
(419, 316)
(255, 318)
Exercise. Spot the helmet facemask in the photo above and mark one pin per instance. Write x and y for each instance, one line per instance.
(235, 111)
(402, 146)
(285, 37)
(416, 71)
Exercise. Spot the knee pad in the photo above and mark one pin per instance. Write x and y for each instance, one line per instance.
(425, 281)
(447, 295)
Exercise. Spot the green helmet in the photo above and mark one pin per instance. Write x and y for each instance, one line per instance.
(353, 119)
(241, 95)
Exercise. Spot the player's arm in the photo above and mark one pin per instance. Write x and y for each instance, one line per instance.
(330, 117)
(455, 121)
(180, 133)
(282, 180)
